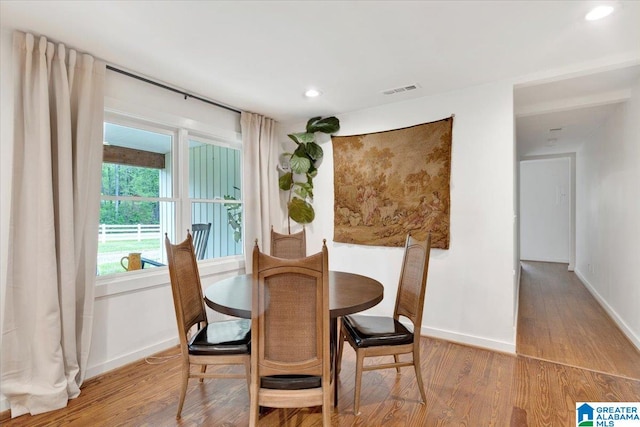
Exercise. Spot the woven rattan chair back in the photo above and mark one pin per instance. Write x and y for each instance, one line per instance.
(185, 284)
(288, 246)
(413, 280)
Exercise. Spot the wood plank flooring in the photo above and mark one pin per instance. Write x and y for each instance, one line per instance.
(560, 321)
(464, 386)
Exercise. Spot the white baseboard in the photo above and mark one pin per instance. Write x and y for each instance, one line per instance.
(619, 321)
(516, 303)
(109, 365)
(544, 259)
(4, 404)
(516, 297)
(456, 337)
(489, 344)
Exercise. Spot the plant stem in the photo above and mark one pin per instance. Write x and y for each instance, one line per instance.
(289, 201)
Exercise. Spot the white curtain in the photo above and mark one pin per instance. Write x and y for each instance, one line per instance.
(260, 177)
(58, 107)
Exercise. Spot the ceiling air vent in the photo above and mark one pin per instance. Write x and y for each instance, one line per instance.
(401, 89)
(553, 136)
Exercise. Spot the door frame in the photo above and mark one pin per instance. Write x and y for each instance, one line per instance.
(572, 215)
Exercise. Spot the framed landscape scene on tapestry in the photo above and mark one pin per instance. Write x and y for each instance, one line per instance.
(390, 183)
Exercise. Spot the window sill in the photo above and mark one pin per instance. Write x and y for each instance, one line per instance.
(134, 281)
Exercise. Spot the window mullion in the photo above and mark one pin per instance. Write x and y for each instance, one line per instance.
(184, 218)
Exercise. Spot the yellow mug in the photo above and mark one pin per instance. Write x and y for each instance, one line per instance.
(133, 261)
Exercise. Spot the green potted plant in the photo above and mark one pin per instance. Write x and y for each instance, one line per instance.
(303, 163)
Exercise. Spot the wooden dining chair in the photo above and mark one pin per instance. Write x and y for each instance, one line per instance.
(288, 245)
(382, 336)
(202, 343)
(200, 240)
(290, 363)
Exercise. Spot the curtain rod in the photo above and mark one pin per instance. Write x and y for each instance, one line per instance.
(185, 94)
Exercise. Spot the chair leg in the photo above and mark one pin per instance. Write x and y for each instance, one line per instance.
(326, 405)
(183, 391)
(396, 358)
(203, 369)
(254, 409)
(359, 366)
(416, 366)
(340, 339)
(247, 371)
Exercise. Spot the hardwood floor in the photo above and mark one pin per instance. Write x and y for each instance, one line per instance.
(464, 386)
(560, 321)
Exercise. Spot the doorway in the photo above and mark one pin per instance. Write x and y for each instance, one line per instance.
(546, 200)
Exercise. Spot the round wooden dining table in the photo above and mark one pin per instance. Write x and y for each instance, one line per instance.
(348, 293)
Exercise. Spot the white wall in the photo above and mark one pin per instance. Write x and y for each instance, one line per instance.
(470, 291)
(608, 215)
(545, 209)
(134, 314)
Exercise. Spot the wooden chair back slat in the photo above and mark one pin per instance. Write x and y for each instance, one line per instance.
(200, 239)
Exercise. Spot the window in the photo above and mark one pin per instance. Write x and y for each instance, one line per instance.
(148, 191)
(214, 192)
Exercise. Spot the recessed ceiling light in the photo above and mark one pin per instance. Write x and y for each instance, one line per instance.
(312, 93)
(599, 13)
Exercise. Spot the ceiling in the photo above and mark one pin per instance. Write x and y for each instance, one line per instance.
(561, 115)
(261, 56)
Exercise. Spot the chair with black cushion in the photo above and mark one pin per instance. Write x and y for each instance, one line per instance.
(290, 363)
(200, 241)
(202, 343)
(288, 246)
(381, 336)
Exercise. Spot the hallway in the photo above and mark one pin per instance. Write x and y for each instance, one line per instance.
(560, 321)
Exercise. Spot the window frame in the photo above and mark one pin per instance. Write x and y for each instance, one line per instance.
(182, 130)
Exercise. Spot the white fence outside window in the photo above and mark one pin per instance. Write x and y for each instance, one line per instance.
(136, 232)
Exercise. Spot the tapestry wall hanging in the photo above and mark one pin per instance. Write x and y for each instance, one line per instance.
(390, 183)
